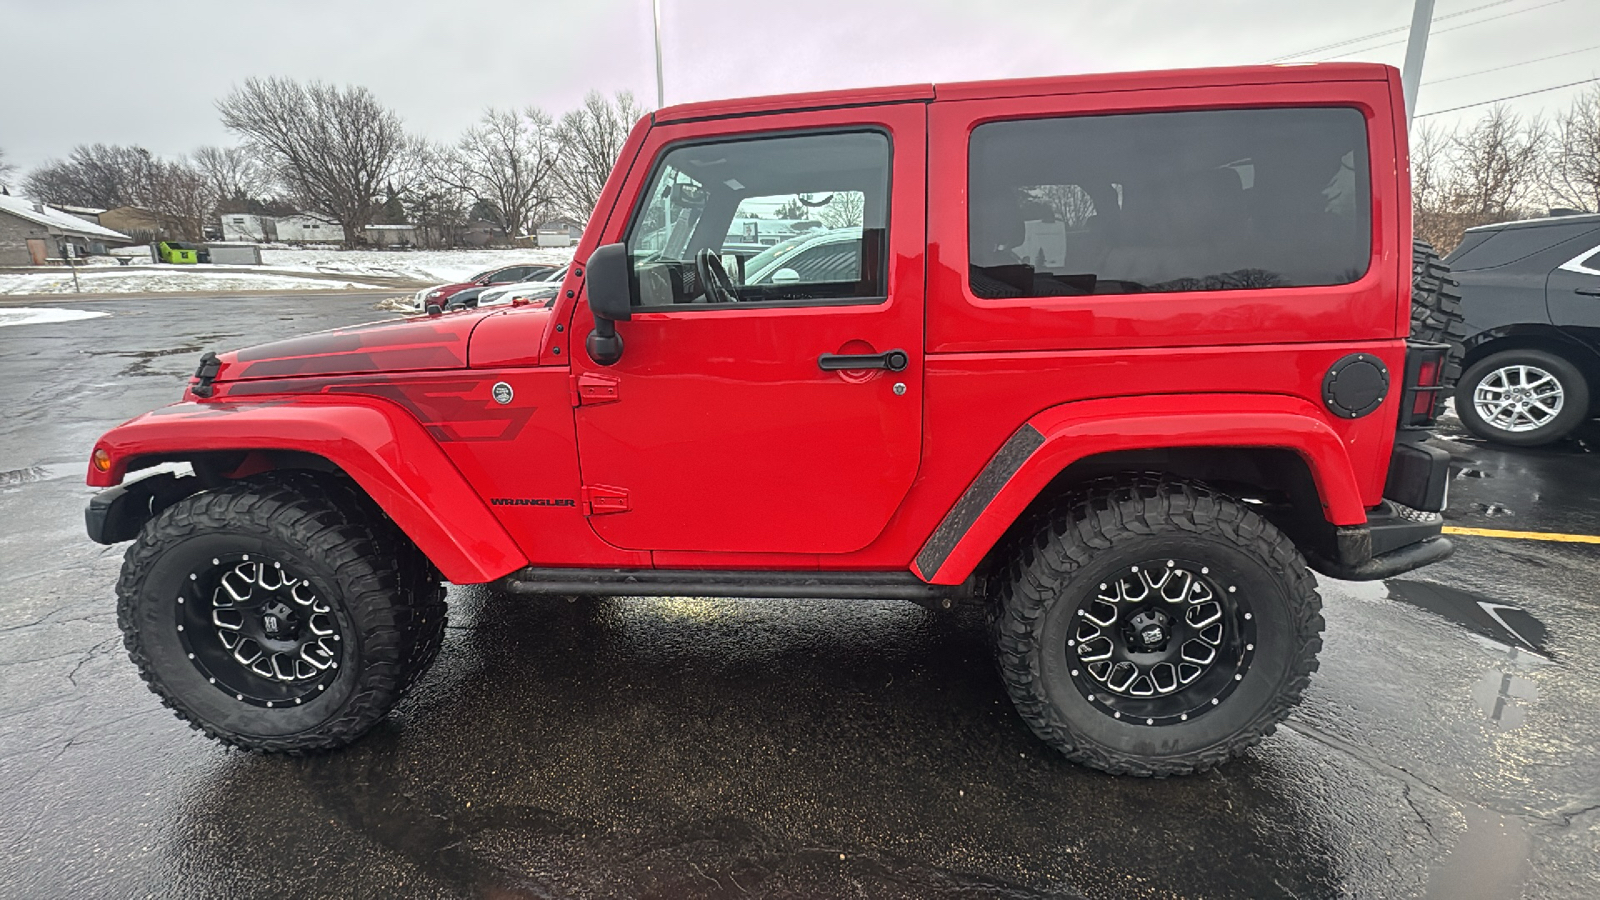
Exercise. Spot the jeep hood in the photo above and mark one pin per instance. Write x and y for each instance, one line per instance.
(419, 343)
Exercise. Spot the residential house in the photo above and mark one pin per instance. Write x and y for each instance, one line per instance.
(32, 234)
(562, 232)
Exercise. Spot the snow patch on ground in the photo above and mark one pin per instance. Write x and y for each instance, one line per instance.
(32, 315)
(434, 266)
(151, 279)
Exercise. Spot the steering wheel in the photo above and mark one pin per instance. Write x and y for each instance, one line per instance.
(714, 278)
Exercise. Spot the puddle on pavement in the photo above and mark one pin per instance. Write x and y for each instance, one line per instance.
(1503, 623)
(1502, 693)
(1489, 862)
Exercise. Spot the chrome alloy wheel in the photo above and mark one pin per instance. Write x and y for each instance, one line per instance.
(257, 631)
(1164, 642)
(1518, 398)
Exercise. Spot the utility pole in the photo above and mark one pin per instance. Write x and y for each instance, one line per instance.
(661, 94)
(1410, 76)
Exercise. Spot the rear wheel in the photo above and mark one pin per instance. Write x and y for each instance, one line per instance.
(1154, 627)
(274, 617)
(1523, 397)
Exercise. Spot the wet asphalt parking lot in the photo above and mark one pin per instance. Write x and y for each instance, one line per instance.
(1449, 747)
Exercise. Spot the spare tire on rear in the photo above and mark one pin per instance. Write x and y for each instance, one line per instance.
(1436, 307)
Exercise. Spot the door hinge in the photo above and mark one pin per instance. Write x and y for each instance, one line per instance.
(593, 389)
(598, 500)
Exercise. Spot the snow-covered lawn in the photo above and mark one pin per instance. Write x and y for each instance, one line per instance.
(153, 278)
(436, 266)
(282, 270)
(29, 315)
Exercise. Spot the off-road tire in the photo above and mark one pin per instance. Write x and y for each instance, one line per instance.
(1056, 566)
(386, 627)
(1574, 387)
(1436, 307)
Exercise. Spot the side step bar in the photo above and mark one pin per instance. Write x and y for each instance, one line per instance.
(707, 583)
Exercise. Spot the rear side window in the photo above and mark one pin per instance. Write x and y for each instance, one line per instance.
(1181, 201)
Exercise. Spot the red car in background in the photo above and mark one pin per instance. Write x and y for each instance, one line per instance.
(489, 277)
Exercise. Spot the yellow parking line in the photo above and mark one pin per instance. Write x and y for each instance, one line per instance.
(1525, 535)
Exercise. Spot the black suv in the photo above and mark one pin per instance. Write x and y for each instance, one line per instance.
(1530, 294)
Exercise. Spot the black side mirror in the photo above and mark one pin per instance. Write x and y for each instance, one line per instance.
(610, 295)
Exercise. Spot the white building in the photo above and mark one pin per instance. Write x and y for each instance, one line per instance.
(248, 228)
(309, 228)
(559, 233)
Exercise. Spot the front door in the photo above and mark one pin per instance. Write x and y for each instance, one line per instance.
(37, 252)
(769, 394)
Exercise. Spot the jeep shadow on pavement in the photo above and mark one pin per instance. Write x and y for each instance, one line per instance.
(1124, 357)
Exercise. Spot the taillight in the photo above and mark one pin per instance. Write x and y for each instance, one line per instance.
(1424, 383)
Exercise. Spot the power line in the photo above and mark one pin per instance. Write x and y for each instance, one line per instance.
(1440, 112)
(1526, 62)
(1508, 15)
(1368, 37)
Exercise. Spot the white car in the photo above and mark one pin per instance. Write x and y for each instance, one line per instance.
(543, 289)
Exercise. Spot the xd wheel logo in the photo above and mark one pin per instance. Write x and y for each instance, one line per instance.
(502, 393)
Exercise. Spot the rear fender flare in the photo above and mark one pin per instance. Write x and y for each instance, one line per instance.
(377, 443)
(1056, 438)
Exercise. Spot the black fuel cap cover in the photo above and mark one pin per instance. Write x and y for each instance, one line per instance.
(1355, 385)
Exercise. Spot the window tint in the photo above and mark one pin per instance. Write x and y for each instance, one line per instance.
(1180, 201)
(791, 220)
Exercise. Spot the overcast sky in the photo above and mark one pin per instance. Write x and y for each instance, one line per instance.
(98, 71)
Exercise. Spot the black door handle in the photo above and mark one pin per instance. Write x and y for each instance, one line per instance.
(893, 360)
(1587, 292)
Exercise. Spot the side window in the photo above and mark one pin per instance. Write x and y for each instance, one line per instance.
(1182, 201)
(789, 220)
(508, 276)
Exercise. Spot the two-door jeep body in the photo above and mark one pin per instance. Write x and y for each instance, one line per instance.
(1119, 355)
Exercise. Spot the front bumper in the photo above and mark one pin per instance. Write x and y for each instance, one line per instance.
(116, 514)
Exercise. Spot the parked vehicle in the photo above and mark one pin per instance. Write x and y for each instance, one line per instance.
(441, 295)
(538, 290)
(1120, 356)
(1530, 297)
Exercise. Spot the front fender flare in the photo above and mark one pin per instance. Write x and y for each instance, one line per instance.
(1056, 438)
(377, 443)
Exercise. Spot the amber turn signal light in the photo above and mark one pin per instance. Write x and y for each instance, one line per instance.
(101, 460)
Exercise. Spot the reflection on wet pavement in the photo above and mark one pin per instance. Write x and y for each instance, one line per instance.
(1505, 623)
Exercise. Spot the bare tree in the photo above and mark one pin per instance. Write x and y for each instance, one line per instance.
(97, 175)
(1497, 164)
(428, 188)
(505, 163)
(590, 139)
(1573, 173)
(232, 173)
(333, 148)
(842, 209)
(6, 170)
(182, 197)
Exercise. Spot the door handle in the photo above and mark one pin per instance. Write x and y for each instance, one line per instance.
(1587, 292)
(893, 360)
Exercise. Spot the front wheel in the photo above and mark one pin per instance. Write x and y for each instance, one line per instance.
(1522, 397)
(273, 618)
(1154, 627)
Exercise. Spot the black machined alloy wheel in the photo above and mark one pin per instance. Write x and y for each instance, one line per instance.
(278, 614)
(1161, 643)
(1151, 626)
(259, 632)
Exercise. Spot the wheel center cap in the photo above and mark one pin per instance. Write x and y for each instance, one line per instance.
(1150, 629)
(278, 621)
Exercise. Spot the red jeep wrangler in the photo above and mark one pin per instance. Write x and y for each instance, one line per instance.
(1119, 355)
